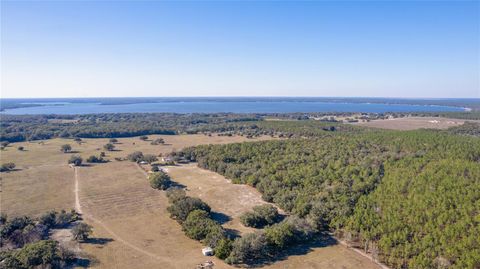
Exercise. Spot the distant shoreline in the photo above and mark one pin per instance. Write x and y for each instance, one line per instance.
(241, 104)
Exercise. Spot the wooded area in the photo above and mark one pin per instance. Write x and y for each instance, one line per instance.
(411, 199)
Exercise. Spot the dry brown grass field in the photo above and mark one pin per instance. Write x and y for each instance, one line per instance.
(413, 123)
(131, 226)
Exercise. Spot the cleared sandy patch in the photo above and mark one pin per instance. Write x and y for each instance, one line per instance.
(325, 257)
(222, 196)
(413, 123)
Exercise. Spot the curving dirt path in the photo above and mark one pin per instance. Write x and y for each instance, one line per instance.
(78, 208)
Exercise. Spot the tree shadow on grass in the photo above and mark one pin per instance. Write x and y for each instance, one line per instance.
(174, 184)
(98, 241)
(81, 262)
(232, 233)
(84, 261)
(220, 217)
(12, 170)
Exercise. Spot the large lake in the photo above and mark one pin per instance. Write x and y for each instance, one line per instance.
(211, 106)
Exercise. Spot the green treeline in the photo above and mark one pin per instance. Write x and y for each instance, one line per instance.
(15, 128)
(412, 199)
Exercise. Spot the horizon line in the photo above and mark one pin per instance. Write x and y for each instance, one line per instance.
(246, 96)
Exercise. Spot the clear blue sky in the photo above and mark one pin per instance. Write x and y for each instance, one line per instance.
(222, 48)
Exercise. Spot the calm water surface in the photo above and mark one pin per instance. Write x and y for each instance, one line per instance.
(219, 106)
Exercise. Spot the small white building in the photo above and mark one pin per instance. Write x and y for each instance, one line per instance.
(208, 251)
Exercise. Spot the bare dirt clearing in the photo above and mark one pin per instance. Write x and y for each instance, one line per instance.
(413, 123)
(223, 197)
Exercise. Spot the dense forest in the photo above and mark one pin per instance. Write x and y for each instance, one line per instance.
(411, 199)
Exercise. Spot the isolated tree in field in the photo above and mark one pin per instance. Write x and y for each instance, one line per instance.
(21, 148)
(66, 148)
(109, 146)
(95, 159)
(158, 141)
(136, 156)
(113, 140)
(143, 137)
(77, 139)
(159, 180)
(75, 160)
(102, 154)
(7, 167)
(81, 231)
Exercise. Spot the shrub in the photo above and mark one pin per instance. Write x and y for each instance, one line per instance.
(54, 219)
(7, 167)
(49, 219)
(113, 140)
(149, 158)
(143, 137)
(280, 235)
(158, 141)
(180, 209)
(159, 180)
(75, 160)
(109, 146)
(248, 249)
(198, 224)
(95, 159)
(175, 194)
(81, 231)
(223, 249)
(42, 254)
(11, 225)
(136, 156)
(21, 148)
(261, 216)
(66, 148)
(215, 235)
